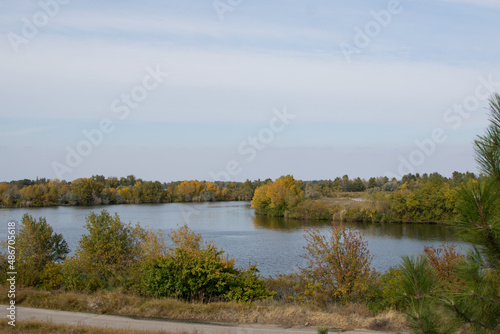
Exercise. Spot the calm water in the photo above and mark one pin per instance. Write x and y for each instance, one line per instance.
(275, 244)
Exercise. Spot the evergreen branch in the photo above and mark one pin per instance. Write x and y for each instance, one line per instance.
(497, 300)
(469, 320)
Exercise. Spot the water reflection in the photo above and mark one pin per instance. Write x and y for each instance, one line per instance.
(283, 224)
(424, 232)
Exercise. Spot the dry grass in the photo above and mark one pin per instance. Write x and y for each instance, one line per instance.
(38, 327)
(266, 312)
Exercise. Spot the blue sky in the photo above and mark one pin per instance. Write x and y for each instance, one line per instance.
(362, 114)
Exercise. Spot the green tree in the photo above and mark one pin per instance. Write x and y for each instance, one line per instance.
(478, 303)
(476, 300)
(38, 246)
(418, 285)
(107, 256)
(84, 190)
(372, 183)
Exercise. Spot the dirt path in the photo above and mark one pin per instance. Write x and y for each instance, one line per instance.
(122, 322)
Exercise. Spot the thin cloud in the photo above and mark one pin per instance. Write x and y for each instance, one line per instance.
(182, 27)
(19, 133)
(487, 3)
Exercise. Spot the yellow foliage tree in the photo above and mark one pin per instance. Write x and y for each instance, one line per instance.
(339, 264)
(279, 197)
(190, 191)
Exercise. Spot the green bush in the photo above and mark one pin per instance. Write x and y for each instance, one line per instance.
(192, 272)
(390, 293)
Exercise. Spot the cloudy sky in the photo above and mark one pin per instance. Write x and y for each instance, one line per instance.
(237, 89)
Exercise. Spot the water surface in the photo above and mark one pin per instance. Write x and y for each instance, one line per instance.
(274, 244)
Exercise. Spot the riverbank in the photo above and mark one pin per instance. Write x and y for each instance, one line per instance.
(355, 316)
(432, 199)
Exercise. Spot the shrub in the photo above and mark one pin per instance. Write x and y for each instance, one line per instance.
(339, 264)
(390, 293)
(192, 271)
(51, 276)
(290, 288)
(443, 261)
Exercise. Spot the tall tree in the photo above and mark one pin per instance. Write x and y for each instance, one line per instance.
(38, 246)
(475, 302)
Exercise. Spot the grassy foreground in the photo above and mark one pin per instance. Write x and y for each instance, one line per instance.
(39, 327)
(354, 316)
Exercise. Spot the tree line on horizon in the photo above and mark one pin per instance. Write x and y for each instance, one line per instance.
(427, 198)
(99, 190)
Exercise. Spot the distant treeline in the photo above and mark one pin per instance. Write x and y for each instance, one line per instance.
(426, 198)
(99, 190)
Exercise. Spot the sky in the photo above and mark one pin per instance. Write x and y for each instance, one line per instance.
(239, 89)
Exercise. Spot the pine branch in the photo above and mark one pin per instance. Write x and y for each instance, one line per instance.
(469, 320)
(485, 299)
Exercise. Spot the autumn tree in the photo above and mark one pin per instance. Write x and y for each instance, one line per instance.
(32, 195)
(339, 264)
(151, 192)
(38, 247)
(279, 197)
(85, 190)
(190, 191)
(11, 196)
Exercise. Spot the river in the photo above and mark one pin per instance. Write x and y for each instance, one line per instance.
(274, 244)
